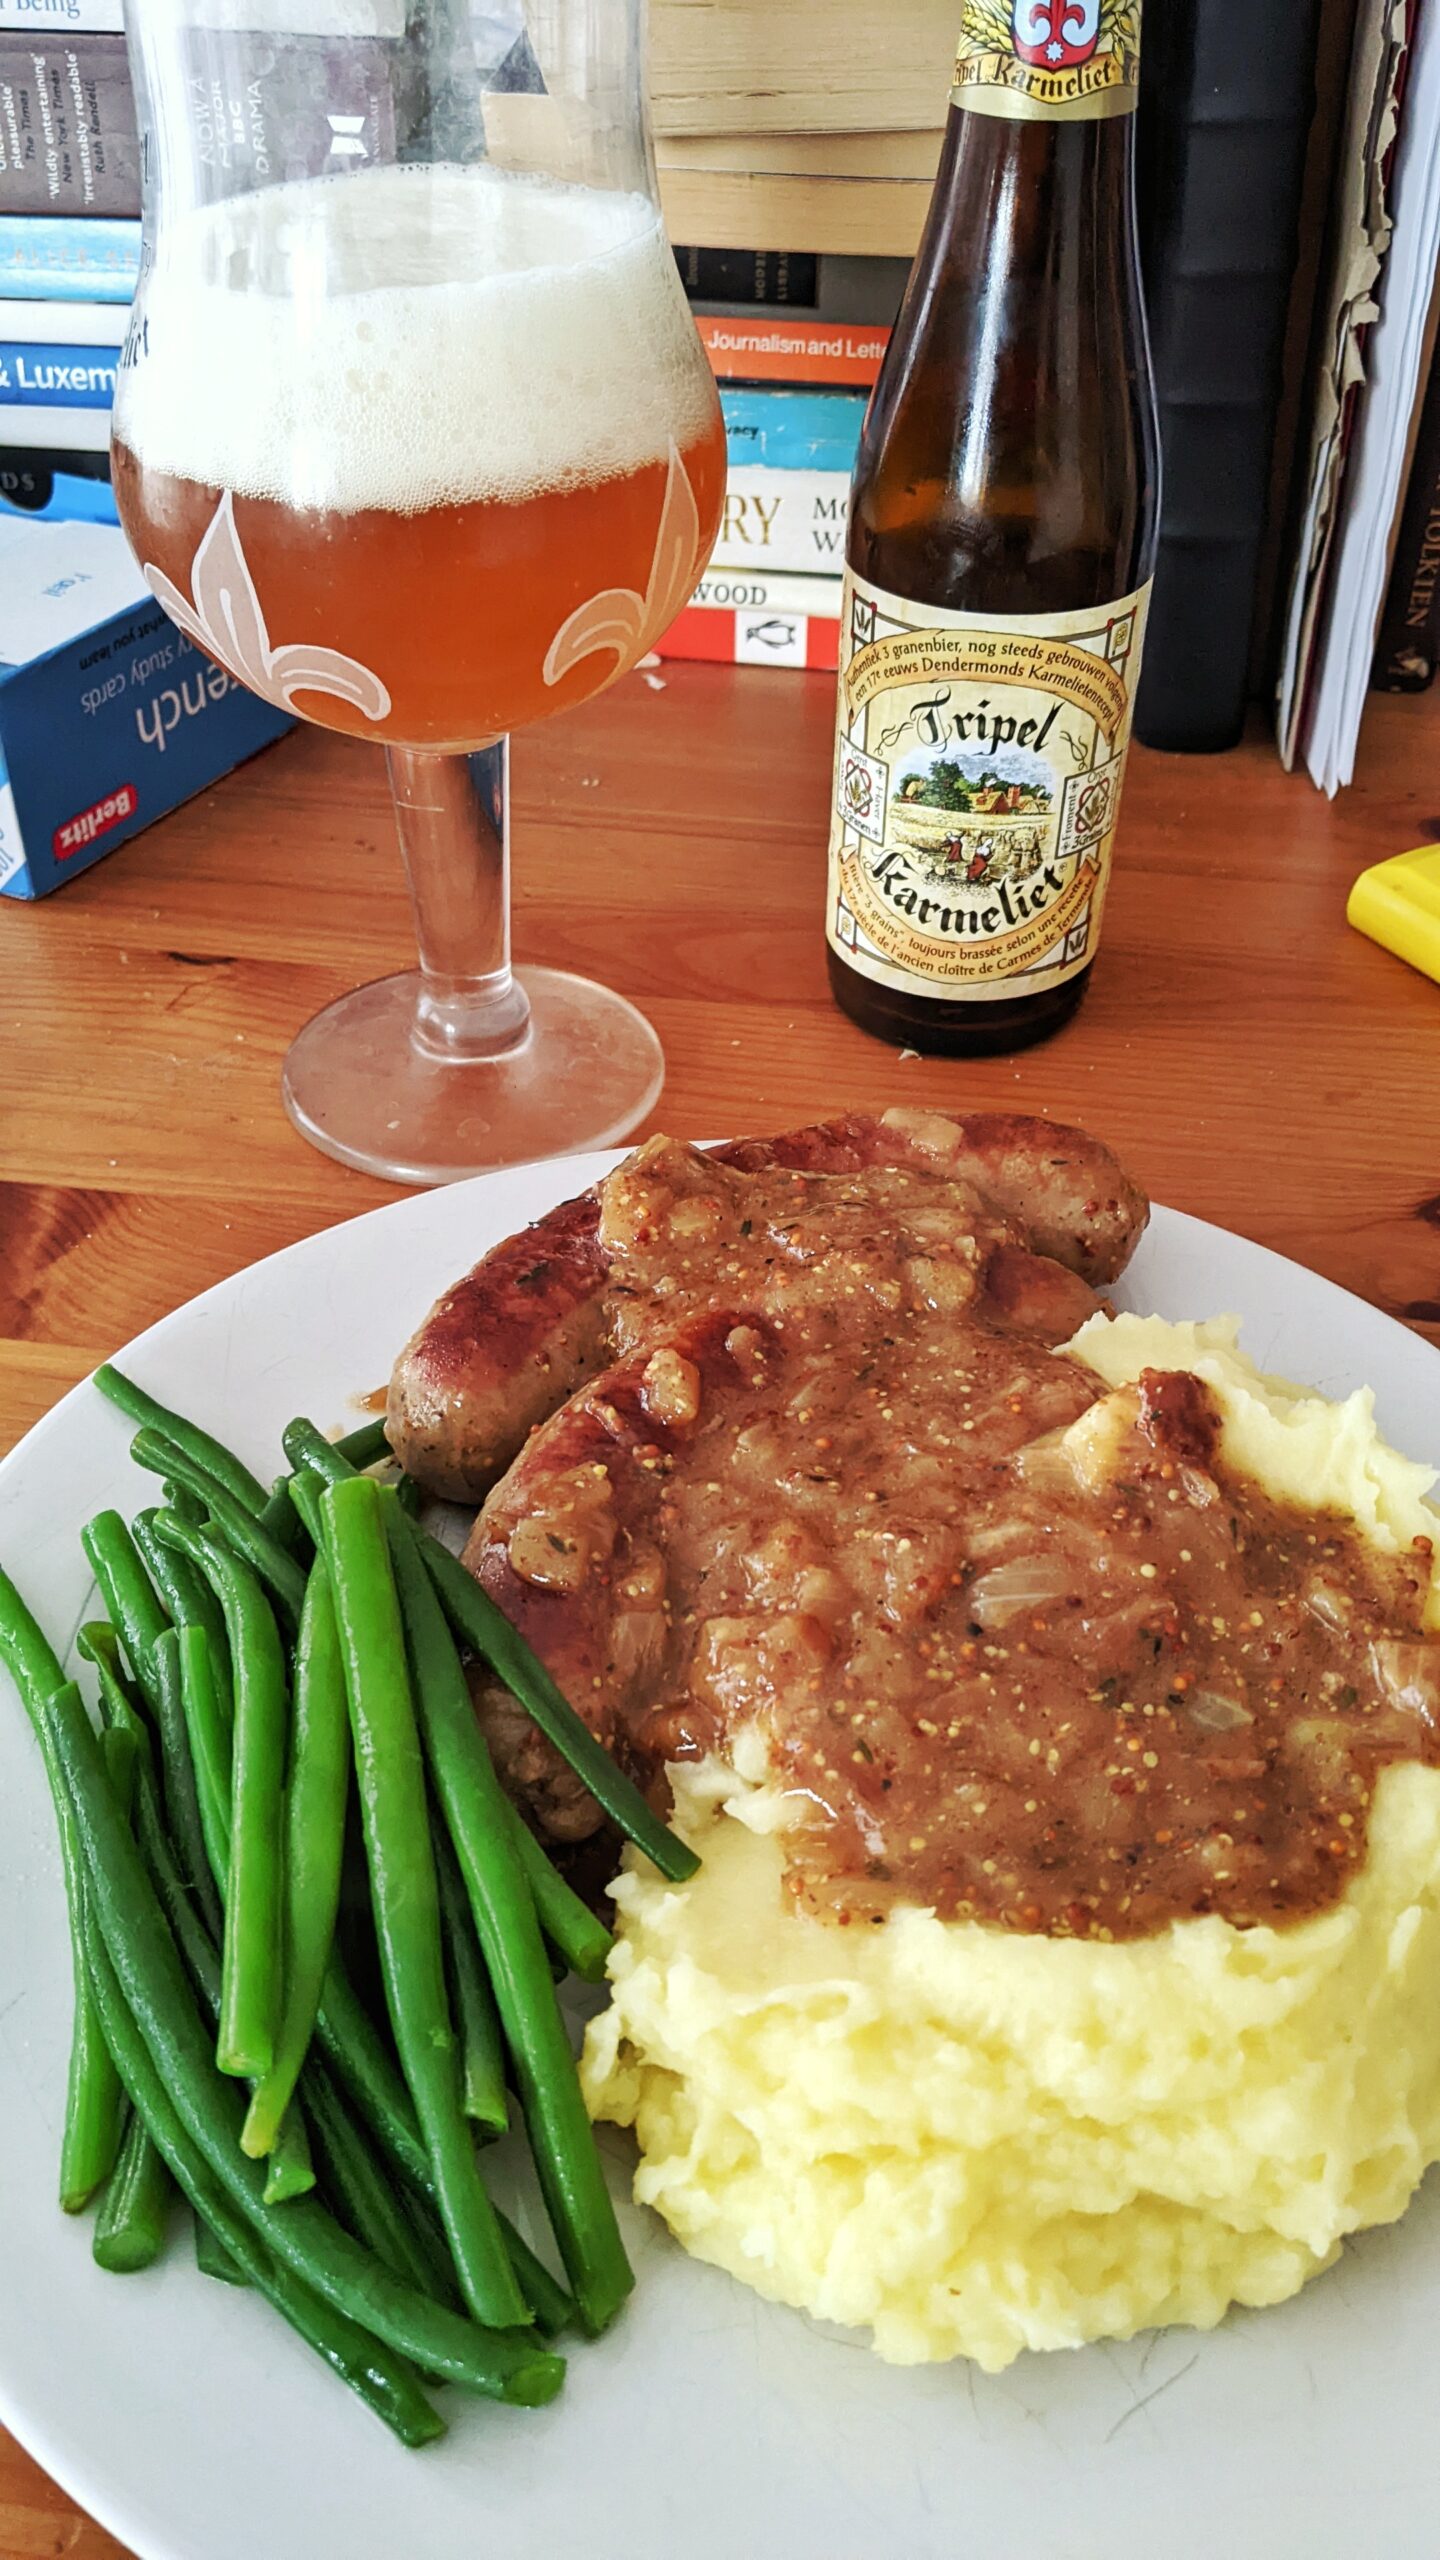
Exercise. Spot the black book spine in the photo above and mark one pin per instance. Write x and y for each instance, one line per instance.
(779, 276)
(1408, 648)
(1225, 111)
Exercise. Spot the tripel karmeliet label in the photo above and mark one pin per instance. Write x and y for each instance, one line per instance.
(1063, 61)
(978, 770)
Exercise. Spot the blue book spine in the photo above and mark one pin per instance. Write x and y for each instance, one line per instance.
(57, 377)
(61, 497)
(60, 258)
(793, 430)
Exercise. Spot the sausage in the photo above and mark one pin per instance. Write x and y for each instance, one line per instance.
(510, 1342)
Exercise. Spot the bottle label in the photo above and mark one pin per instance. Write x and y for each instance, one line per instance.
(1062, 61)
(978, 770)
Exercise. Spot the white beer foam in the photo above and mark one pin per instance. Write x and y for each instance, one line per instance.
(405, 338)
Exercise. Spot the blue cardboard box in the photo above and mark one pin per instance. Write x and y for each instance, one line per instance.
(109, 715)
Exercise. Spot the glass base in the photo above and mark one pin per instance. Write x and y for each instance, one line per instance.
(359, 1085)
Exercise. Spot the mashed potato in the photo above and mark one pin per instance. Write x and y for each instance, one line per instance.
(969, 2142)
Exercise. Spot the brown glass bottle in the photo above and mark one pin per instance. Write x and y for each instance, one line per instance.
(1008, 469)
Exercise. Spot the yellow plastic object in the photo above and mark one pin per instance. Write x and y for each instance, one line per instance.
(1398, 904)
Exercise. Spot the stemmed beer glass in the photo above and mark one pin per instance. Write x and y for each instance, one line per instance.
(414, 435)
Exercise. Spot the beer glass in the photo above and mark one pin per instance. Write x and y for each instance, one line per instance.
(415, 436)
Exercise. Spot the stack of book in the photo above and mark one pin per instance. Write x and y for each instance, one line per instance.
(69, 248)
(793, 388)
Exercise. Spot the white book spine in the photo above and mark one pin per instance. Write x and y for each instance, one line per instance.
(784, 521)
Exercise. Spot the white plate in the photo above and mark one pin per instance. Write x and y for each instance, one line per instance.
(187, 2419)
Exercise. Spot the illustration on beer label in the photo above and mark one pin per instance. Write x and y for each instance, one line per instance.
(223, 613)
(622, 619)
(1061, 59)
(977, 784)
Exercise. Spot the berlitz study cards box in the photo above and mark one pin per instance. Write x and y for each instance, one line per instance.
(109, 716)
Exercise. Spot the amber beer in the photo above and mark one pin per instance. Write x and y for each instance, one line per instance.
(434, 472)
(1001, 545)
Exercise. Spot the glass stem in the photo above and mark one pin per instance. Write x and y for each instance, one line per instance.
(453, 813)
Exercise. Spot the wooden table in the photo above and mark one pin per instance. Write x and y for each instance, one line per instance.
(1251, 1058)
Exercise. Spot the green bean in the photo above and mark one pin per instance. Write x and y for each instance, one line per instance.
(250, 1971)
(213, 2258)
(570, 1925)
(357, 2053)
(305, 1491)
(177, 1768)
(188, 1597)
(411, 2242)
(120, 1749)
(201, 1446)
(240, 1529)
(181, 1501)
(305, 1447)
(94, 2103)
(482, 2045)
(280, 1520)
(133, 1936)
(128, 1594)
(363, 1446)
(366, 2204)
(396, 1823)
(97, 1642)
(210, 1742)
(475, 1807)
(384, 2381)
(289, 2169)
(488, 1632)
(409, 1496)
(197, 1947)
(315, 1800)
(551, 2304)
(130, 2226)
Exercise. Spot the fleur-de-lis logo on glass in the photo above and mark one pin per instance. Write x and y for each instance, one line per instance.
(619, 618)
(223, 613)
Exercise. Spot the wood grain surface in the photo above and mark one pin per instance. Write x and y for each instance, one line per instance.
(1253, 1060)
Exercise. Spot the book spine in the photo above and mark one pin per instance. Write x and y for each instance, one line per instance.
(1220, 138)
(826, 354)
(39, 486)
(752, 593)
(68, 141)
(748, 275)
(62, 17)
(1408, 648)
(59, 377)
(722, 636)
(64, 258)
(59, 430)
(72, 324)
(783, 520)
(792, 430)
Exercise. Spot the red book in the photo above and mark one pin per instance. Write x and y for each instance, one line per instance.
(766, 347)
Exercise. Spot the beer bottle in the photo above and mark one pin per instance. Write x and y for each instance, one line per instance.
(1001, 543)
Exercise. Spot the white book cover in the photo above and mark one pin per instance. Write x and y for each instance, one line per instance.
(65, 324)
(61, 18)
(783, 520)
(55, 430)
(1374, 486)
(731, 591)
(57, 580)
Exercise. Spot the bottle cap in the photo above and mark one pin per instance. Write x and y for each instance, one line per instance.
(1398, 904)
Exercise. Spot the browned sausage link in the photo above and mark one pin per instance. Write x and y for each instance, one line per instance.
(520, 1332)
(499, 1352)
(1066, 1191)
